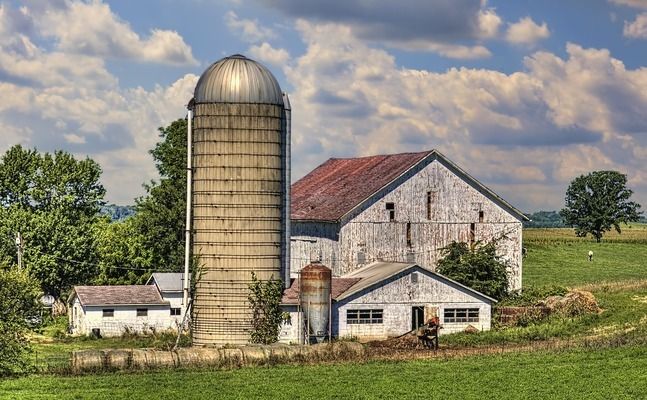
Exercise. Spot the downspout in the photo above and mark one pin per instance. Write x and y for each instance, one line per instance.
(187, 231)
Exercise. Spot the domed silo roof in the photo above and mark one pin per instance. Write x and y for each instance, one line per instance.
(237, 79)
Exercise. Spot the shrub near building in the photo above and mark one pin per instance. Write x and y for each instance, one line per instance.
(19, 302)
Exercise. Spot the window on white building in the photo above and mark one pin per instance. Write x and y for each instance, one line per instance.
(390, 207)
(176, 311)
(364, 316)
(452, 315)
(142, 312)
(108, 312)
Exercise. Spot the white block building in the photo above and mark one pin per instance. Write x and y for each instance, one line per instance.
(113, 310)
(386, 299)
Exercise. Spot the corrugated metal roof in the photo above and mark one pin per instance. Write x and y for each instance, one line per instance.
(119, 295)
(237, 79)
(379, 271)
(338, 287)
(339, 185)
(167, 281)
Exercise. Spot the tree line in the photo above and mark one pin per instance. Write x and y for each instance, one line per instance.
(54, 201)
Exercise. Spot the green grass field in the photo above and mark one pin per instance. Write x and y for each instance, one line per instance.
(617, 373)
(557, 256)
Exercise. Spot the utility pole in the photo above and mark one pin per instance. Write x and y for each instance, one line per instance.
(19, 247)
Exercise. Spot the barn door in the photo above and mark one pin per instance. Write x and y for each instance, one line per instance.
(417, 317)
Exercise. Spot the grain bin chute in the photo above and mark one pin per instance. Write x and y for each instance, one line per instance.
(239, 165)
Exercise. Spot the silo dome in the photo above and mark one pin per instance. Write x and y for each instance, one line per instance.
(237, 79)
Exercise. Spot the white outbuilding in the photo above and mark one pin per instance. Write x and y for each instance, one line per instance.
(113, 310)
(387, 299)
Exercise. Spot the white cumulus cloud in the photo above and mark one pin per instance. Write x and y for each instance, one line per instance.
(526, 32)
(270, 55)
(636, 29)
(249, 30)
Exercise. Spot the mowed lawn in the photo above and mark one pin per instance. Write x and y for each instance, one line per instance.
(617, 373)
(556, 256)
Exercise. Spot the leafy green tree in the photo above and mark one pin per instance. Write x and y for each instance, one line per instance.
(19, 302)
(479, 267)
(597, 202)
(265, 300)
(160, 215)
(123, 258)
(53, 200)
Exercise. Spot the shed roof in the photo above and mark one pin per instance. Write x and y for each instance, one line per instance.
(119, 295)
(379, 271)
(339, 185)
(167, 281)
(338, 287)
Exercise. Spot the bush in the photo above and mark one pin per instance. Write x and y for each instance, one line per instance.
(477, 267)
(265, 301)
(532, 295)
(19, 304)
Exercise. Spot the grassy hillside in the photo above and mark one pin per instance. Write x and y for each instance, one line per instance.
(557, 256)
(612, 373)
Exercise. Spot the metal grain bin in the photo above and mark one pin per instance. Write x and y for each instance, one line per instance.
(239, 161)
(316, 281)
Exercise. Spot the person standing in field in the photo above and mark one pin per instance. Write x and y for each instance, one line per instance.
(590, 255)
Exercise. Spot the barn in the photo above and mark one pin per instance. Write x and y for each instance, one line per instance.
(400, 208)
(387, 299)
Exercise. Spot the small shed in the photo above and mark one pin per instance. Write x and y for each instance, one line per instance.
(171, 287)
(387, 299)
(112, 310)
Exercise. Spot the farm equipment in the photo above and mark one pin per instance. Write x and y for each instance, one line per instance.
(428, 333)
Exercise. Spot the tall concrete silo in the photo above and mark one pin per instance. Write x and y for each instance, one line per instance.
(240, 192)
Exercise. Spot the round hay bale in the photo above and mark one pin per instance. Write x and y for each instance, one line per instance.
(138, 359)
(279, 351)
(149, 358)
(231, 356)
(118, 358)
(87, 360)
(255, 354)
(198, 356)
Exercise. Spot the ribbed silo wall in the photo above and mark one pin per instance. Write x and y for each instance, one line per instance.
(237, 204)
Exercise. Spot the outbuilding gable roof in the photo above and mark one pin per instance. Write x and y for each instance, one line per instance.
(340, 185)
(379, 271)
(167, 281)
(119, 295)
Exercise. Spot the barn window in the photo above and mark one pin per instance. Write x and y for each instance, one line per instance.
(176, 311)
(428, 205)
(361, 257)
(390, 207)
(356, 317)
(408, 234)
(142, 312)
(108, 312)
(458, 315)
(472, 234)
(481, 215)
(414, 277)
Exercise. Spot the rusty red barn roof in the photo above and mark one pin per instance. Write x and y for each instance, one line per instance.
(340, 184)
(338, 287)
(337, 186)
(119, 295)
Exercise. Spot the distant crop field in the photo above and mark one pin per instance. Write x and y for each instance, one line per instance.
(601, 374)
(557, 256)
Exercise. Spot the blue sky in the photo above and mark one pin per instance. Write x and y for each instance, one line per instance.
(524, 95)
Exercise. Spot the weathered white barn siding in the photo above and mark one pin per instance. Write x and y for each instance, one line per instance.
(367, 235)
(398, 295)
(291, 332)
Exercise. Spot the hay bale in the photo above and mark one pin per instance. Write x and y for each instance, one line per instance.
(471, 329)
(87, 360)
(231, 356)
(255, 354)
(196, 356)
(149, 358)
(574, 303)
(118, 358)
(279, 351)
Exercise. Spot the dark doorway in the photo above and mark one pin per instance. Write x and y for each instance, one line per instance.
(417, 317)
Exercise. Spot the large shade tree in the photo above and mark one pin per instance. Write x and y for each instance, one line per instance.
(598, 202)
(53, 200)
